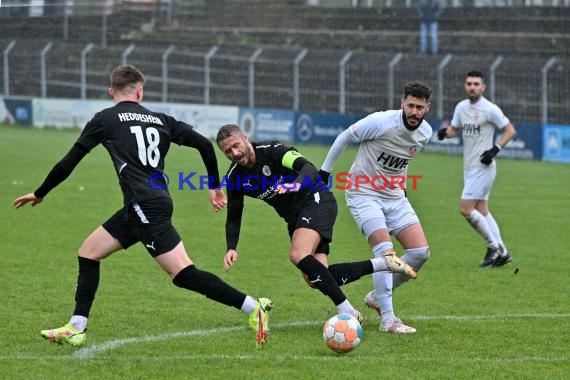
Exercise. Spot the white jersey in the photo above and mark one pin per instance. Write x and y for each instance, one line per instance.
(386, 148)
(478, 122)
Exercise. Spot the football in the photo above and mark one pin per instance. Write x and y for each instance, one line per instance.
(342, 333)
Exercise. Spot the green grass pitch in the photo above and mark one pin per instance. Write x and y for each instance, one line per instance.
(472, 322)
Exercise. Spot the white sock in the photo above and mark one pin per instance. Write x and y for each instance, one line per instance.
(248, 305)
(479, 222)
(79, 322)
(379, 264)
(383, 285)
(345, 307)
(494, 227)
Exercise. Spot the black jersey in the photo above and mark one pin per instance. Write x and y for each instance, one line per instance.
(137, 140)
(260, 182)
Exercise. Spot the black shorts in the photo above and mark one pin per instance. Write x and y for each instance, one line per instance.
(149, 222)
(319, 216)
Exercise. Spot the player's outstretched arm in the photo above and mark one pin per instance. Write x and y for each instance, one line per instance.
(57, 175)
(195, 140)
(341, 142)
(447, 132)
(24, 199)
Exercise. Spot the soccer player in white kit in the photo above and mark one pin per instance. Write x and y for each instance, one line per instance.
(477, 117)
(377, 198)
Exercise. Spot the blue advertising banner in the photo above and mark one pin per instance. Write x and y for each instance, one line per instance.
(18, 111)
(322, 128)
(527, 143)
(556, 142)
(267, 124)
(452, 145)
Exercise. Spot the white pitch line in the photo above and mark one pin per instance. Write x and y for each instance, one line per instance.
(96, 349)
(92, 351)
(89, 352)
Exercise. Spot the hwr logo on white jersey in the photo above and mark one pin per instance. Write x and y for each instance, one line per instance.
(151, 246)
(392, 162)
(472, 129)
(308, 220)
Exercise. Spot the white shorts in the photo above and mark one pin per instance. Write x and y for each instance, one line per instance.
(478, 183)
(392, 214)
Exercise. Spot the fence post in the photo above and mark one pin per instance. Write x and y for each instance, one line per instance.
(126, 53)
(165, 55)
(84, 53)
(169, 12)
(545, 69)
(440, 84)
(342, 82)
(492, 83)
(7, 68)
(207, 59)
(296, 64)
(65, 24)
(391, 67)
(252, 59)
(104, 30)
(43, 68)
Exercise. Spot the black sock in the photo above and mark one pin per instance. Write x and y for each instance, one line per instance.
(209, 285)
(321, 279)
(345, 273)
(87, 284)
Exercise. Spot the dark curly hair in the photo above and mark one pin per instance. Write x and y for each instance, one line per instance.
(476, 74)
(418, 90)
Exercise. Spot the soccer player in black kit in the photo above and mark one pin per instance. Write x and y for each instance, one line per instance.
(287, 181)
(138, 140)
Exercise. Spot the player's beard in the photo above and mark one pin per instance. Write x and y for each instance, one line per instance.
(247, 156)
(412, 127)
(473, 96)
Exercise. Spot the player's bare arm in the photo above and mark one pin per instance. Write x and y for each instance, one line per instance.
(24, 199)
(217, 199)
(447, 132)
(230, 258)
(507, 134)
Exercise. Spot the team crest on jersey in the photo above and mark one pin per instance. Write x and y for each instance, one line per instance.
(476, 117)
(265, 170)
(412, 150)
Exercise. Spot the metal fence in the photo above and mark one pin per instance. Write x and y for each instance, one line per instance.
(445, 3)
(533, 90)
